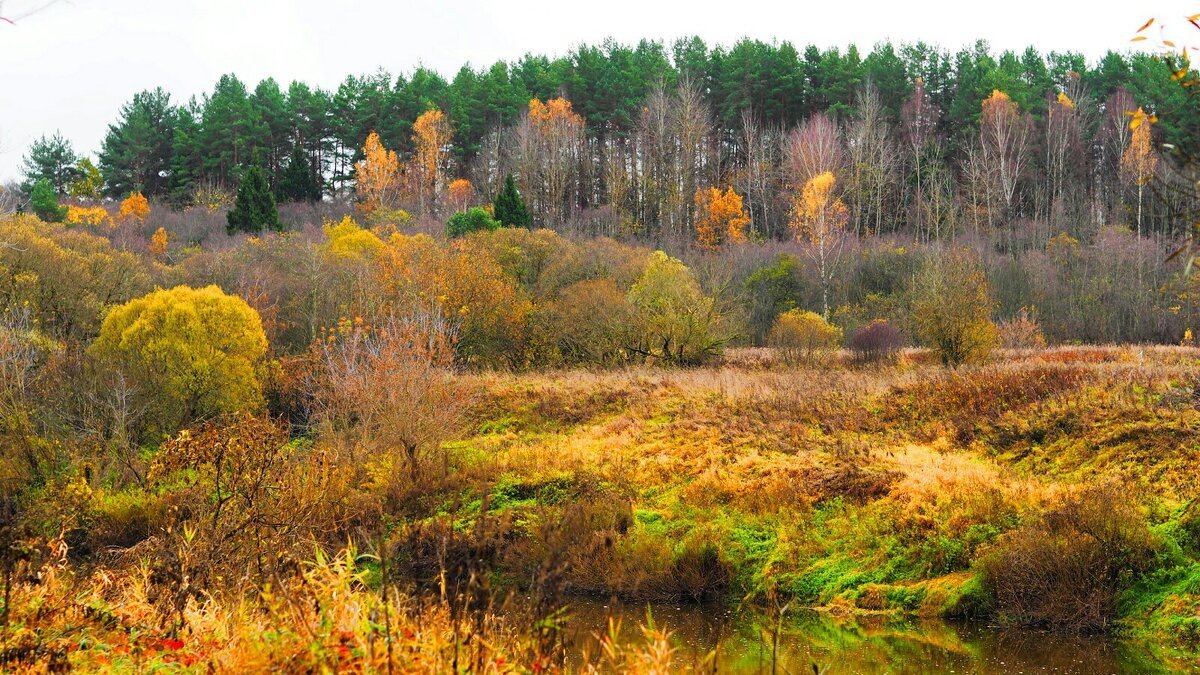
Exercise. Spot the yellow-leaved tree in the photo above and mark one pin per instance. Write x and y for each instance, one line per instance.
(87, 215)
(158, 243)
(678, 324)
(721, 218)
(189, 354)
(819, 217)
(1139, 164)
(376, 176)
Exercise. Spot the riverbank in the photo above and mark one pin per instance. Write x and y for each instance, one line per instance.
(1050, 488)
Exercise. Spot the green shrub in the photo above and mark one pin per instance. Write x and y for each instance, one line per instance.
(474, 219)
(44, 202)
(770, 291)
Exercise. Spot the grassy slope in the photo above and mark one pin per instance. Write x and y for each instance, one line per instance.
(853, 489)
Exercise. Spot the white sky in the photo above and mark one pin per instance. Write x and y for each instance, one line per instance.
(72, 65)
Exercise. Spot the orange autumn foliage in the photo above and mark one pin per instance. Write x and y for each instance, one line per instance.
(87, 215)
(431, 143)
(158, 243)
(721, 218)
(460, 193)
(376, 175)
(465, 286)
(134, 208)
(555, 113)
(1139, 163)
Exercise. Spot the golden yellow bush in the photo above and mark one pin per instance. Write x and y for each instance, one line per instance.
(192, 352)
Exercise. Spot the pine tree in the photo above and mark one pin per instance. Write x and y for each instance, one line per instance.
(136, 154)
(296, 183)
(254, 209)
(509, 207)
(52, 159)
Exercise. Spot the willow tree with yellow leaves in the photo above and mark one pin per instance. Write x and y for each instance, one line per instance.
(720, 218)
(819, 218)
(376, 176)
(1139, 164)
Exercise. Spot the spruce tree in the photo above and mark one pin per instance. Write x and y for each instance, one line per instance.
(254, 209)
(296, 181)
(509, 207)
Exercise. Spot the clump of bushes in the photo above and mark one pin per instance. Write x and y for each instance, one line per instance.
(800, 336)
(875, 342)
(1064, 568)
(474, 219)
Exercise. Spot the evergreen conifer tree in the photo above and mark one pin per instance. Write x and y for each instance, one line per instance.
(44, 202)
(296, 182)
(509, 207)
(254, 209)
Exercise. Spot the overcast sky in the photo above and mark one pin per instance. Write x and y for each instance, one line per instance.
(70, 66)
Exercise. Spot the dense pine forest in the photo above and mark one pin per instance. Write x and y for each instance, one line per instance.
(410, 374)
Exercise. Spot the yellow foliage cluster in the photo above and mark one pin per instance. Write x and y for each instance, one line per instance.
(800, 335)
(817, 213)
(87, 215)
(1139, 162)
(347, 239)
(198, 350)
(431, 140)
(135, 208)
(721, 218)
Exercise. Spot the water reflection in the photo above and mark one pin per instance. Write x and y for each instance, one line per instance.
(742, 643)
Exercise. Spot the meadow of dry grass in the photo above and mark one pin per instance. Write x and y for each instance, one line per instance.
(1050, 487)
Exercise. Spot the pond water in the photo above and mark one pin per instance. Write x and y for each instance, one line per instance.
(812, 641)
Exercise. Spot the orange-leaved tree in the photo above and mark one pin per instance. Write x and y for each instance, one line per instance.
(431, 151)
(158, 243)
(465, 285)
(376, 176)
(135, 208)
(721, 218)
(819, 217)
(460, 194)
